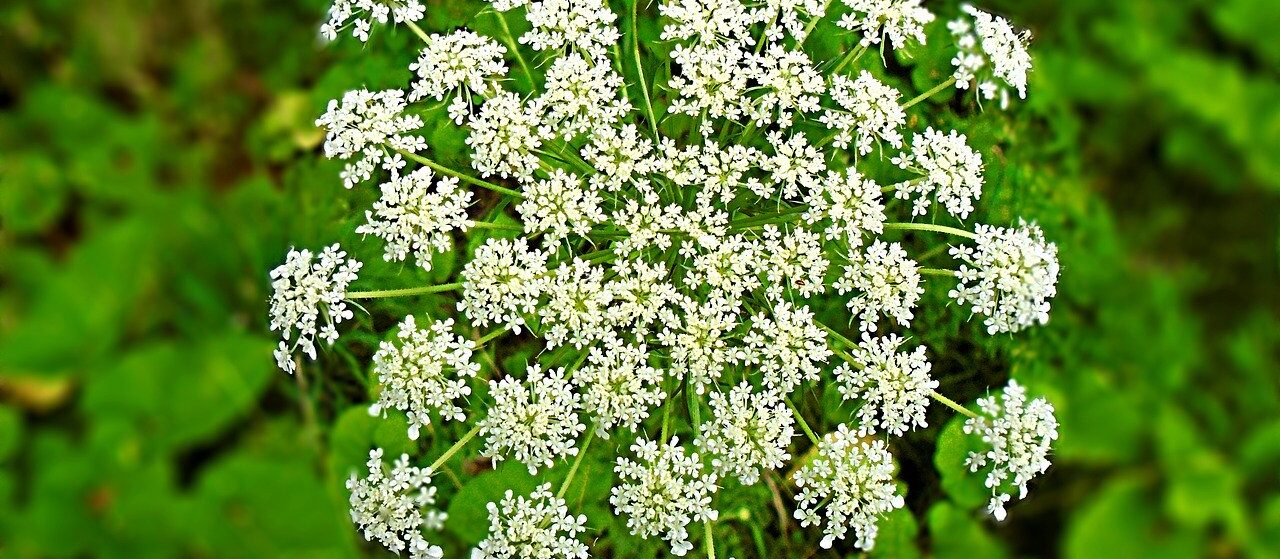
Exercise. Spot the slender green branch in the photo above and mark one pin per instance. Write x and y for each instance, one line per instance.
(435, 466)
(586, 443)
(644, 86)
(490, 337)
(800, 419)
(850, 58)
(383, 293)
(711, 539)
(496, 226)
(952, 404)
(510, 41)
(418, 31)
(921, 97)
(931, 227)
(463, 177)
(813, 22)
(937, 272)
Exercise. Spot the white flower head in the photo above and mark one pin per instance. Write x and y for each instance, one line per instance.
(535, 421)
(897, 20)
(792, 258)
(581, 97)
(413, 217)
(1009, 277)
(502, 283)
(894, 386)
(663, 491)
(619, 387)
(539, 526)
(697, 339)
(788, 347)
(576, 307)
(1018, 436)
(462, 62)
(369, 126)
(796, 166)
(305, 291)
(393, 507)
(886, 283)
(951, 173)
(638, 294)
(749, 431)
(425, 373)
(620, 155)
(505, 135)
(869, 113)
(990, 49)
(853, 481)
(711, 78)
(791, 85)
(362, 14)
(582, 25)
(792, 16)
(560, 205)
(708, 21)
(850, 203)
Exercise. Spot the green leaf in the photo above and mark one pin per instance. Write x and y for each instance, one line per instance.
(957, 535)
(964, 487)
(468, 516)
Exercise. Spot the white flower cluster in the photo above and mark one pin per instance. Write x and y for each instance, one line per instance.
(371, 126)
(663, 491)
(534, 421)
(886, 282)
(989, 42)
(393, 507)
(1018, 435)
(683, 248)
(897, 20)
(748, 431)
(951, 172)
(413, 217)
(425, 373)
(1009, 277)
(306, 289)
(893, 386)
(537, 527)
(853, 481)
(362, 14)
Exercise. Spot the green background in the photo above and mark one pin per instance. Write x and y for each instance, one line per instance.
(157, 158)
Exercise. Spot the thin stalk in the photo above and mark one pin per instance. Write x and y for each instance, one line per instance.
(490, 337)
(418, 31)
(382, 293)
(591, 433)
(800, 419)
(463, 177)
(952, 404)
(921, 97)
(813, 22)
(937, 272)
(711, 539)
(496, 226)
(931, 227)
(515, 49)
(455, 448)
(644, 86)
(850, 58)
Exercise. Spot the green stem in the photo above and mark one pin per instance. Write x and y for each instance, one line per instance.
(921, 97)
(644, 86)
(931, 227)
(464, 178)
(455, 448)
(850, 58)
(382, 293)
(586, 443)
(952, 404)
(515, 48)
(800, 419)
(813, 22)
(490, 337)
(711, 539)
(418, 30)
(496, 226)
(937, 272)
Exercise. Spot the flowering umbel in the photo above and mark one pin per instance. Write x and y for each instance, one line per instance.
(604, 236)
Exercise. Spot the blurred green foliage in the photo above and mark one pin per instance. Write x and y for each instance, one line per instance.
(159, 157)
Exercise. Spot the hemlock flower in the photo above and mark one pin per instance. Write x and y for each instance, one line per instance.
(619, 387)
(369, 126)
(893, 386)
(886, 283)
(534, 421)
(582, 25)
(505, 135)
(869, 113)
(951, 173)
(306, 290)
(502, 283)
(461, 62)
(791, 84)
(412, 216)
(426, 372)
(663, 491)
(897, 20)
(619, 155)
(708, 21)
(393, 507)
(581, 97)
(539, 526)
(560, 205)
(1019, 436)
(1009, 277)
(749, 431)
(850, 203)
(987, 41)
(696, 339)
(852, 482)
(787, 347)
(362, 14)
(577, 299)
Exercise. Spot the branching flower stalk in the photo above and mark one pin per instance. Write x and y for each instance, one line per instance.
(676, 260)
